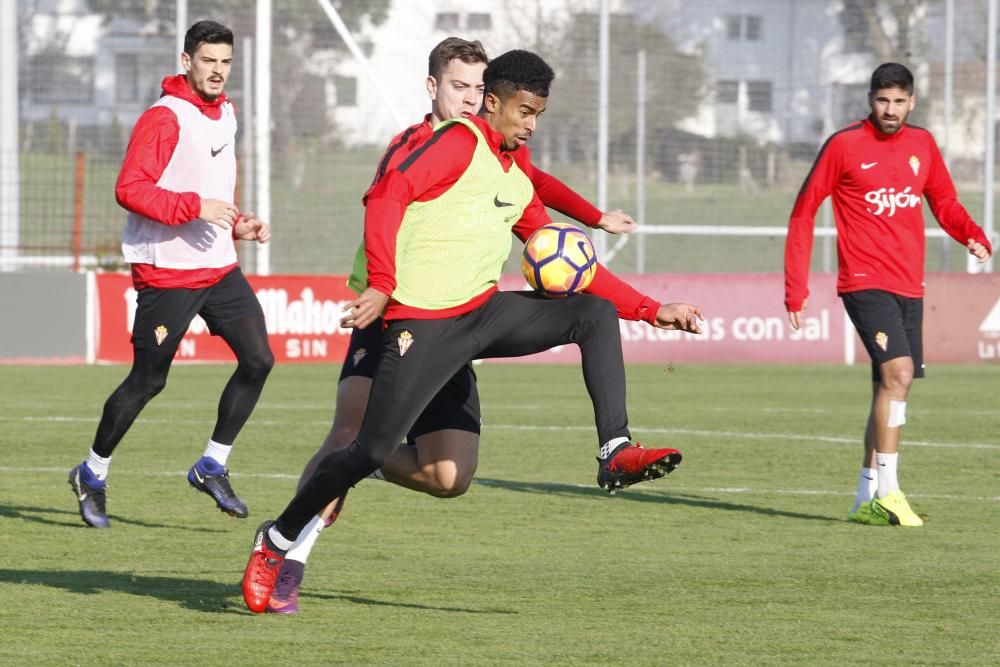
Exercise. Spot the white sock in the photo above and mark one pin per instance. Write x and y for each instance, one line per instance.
(887, 480)
(98, 465)
(218, 451)
(610, 445)
(867, 485)
(307, 539)
(278, 540)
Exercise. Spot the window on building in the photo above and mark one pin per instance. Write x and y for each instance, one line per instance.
(759, 94)
(347, 90)
(446, 21)
(60, 79)
(727, 92)
(734, 27)
(478, 21)
(744, 27)
(127, 78)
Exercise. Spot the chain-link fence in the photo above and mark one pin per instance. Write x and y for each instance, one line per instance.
(737, 98)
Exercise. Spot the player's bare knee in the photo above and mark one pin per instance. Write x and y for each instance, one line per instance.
(898, 379)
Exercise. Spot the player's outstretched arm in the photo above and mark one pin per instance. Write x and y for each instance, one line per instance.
(680, 316)
(617, 222)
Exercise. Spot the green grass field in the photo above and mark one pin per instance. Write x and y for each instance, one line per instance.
(742, 556)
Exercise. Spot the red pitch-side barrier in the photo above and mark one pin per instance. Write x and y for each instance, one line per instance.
(745, 321)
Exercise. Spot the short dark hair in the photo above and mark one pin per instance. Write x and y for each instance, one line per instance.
(892, 75)
(450, 48)
(206, 32)
(518, 70)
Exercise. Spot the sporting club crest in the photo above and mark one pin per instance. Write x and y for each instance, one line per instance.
(405, 340)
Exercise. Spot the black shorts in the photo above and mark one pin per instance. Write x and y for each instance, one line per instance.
(456, 406)
(890, 326)
(162, 316)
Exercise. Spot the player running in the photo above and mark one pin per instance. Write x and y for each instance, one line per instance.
(178, 183)
(877, 172)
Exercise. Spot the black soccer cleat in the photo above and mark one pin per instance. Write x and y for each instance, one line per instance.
(209, 476)
(91, 495)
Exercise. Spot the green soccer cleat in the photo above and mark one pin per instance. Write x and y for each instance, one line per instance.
(866, 516)
(896, 510)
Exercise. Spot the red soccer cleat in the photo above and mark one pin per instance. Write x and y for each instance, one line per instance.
(261, 571)
(630, 463)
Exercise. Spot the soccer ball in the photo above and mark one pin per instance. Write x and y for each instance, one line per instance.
(558, 260)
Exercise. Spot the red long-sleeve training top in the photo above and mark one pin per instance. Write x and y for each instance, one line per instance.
(878, 182)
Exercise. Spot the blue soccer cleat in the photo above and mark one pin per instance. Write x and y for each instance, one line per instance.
(90, 493)
(211, 477)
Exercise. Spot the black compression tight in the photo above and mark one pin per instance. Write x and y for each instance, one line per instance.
(147, 378)
(248, 339)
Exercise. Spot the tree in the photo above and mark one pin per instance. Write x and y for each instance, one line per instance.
(304, 43)
(674, 85)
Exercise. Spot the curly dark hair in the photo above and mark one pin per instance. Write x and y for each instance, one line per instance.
(517, 70)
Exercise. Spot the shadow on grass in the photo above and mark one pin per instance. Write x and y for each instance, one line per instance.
(195, 594)
(643, 497)
(403, 605)
(69, 518)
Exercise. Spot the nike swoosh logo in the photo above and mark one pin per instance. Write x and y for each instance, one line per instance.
(201, 480)
(278, 604)
(219, 150)
(80, 496)
(867, 165)
(500, 204)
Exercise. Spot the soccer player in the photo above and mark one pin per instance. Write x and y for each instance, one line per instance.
(178, 183)
(877, 172)
(436, 237)
(444, 457)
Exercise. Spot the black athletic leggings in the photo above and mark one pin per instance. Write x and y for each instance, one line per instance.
(248, 339)
(419, 356)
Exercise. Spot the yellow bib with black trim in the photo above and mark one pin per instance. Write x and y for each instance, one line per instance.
(452, 248)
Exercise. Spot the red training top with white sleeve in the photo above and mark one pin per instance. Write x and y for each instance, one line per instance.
(878, 182)
(140, 187)
(438, 162)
